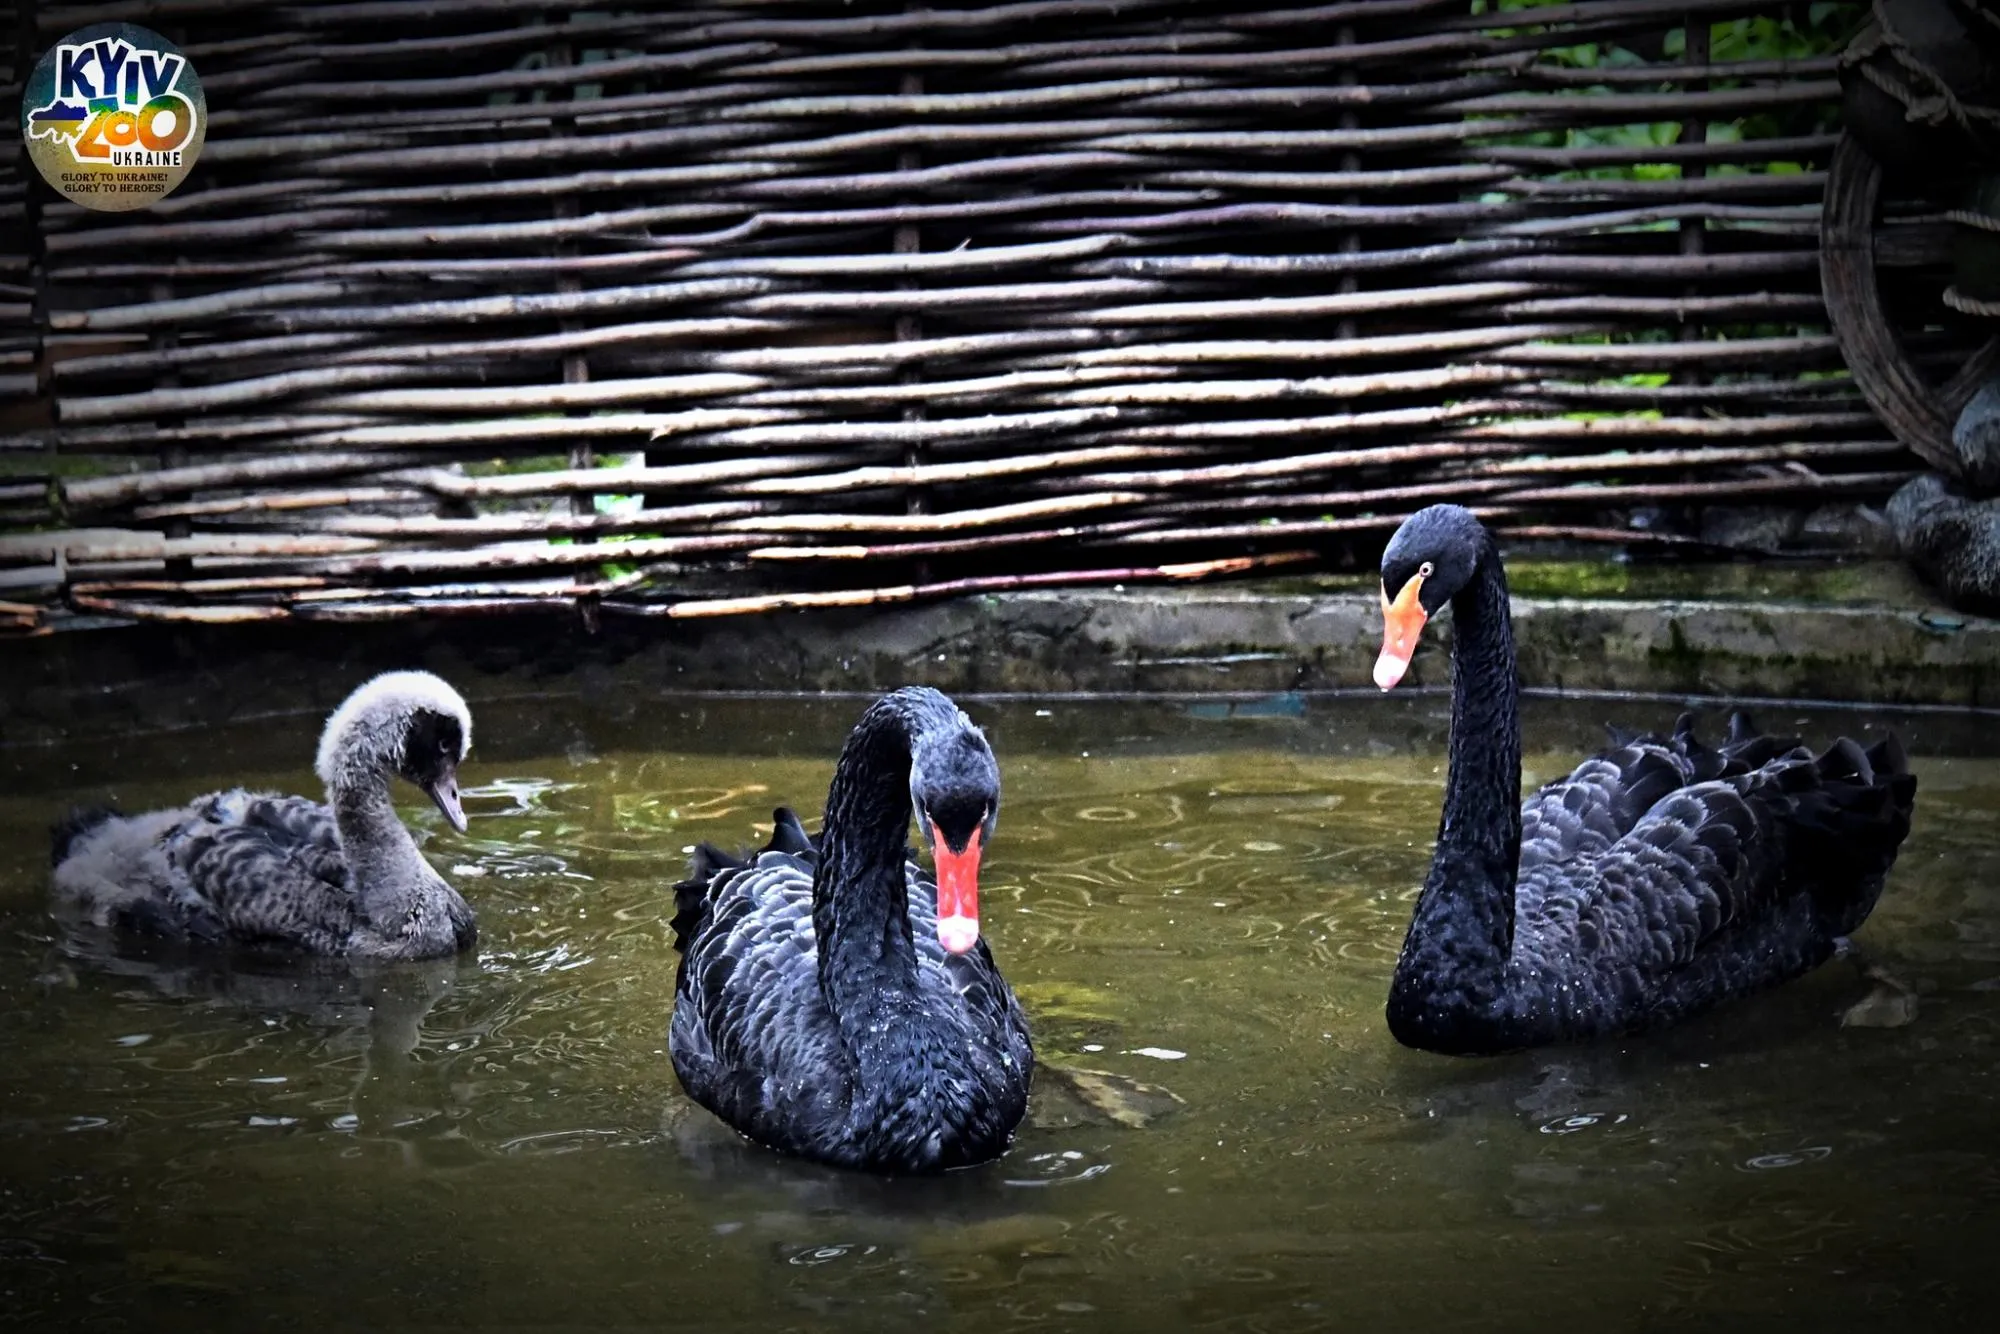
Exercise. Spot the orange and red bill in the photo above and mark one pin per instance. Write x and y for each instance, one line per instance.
(1402, 621)
(958, 894)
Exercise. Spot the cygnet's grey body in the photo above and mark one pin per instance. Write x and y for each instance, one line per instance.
(343, 879)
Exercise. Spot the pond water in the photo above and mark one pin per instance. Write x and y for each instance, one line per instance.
(1201, 897)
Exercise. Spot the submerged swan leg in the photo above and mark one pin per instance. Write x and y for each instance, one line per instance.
(1890, 1002)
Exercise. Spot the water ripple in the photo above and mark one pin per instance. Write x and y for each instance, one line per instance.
(813, 1256)
(1772, 1162)
(1056, 1167)
(1571, 1124)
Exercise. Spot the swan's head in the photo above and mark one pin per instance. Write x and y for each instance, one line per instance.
(405, 723)
(955, 792)
(1429, 560)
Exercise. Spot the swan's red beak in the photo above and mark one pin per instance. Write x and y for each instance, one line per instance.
(958, 894)
(1402, 621)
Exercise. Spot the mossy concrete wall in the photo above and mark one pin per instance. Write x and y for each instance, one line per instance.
(1889, 649)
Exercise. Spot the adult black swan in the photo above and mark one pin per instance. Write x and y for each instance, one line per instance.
(833, 1001)
(342, 879)
(1660, 878)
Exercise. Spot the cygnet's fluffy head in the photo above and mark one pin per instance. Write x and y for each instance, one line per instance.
(407, 723)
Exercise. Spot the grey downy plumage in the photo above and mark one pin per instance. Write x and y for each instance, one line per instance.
(344, 878)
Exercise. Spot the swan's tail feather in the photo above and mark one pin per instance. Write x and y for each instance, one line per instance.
(1886, 757)
(788, 834)
(1854, 821)
(709, 864)
(81, 820)
(1748, 750)
(1845, 759)
(705, 866)
(1700, 761)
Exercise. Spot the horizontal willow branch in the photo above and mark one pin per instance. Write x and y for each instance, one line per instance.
(710, 607)
(1790, 485)
(110, 492)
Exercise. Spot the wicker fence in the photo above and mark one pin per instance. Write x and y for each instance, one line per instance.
(664, 309)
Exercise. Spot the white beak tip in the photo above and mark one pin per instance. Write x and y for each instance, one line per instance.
(958, 934)
(1389, 670)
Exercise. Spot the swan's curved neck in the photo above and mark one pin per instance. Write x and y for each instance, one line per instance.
(1468, 900)
(911, 1070)
(390, 875)
(861, 911)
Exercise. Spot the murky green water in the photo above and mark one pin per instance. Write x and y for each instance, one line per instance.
(1204, 897)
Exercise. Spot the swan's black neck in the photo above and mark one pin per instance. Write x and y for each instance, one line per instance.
(861, 910)
(1463, 928)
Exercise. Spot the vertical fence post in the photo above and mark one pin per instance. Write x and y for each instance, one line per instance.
(174, 453)
(575, 364)
(1694, 130)
(1350, 161)
(36, 275)
(909, 326)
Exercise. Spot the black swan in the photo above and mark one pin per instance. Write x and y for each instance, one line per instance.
(237, 867)
(1660, 878)
(833, 1001)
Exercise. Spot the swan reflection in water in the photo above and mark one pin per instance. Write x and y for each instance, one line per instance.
(809, 1214)
(372, 1009)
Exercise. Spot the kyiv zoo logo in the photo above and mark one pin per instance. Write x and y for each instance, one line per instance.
(114, 117)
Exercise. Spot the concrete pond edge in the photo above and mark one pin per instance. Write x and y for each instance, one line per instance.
(1238, 639)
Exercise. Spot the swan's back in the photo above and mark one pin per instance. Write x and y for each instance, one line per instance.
(747, 1000)
(1664, 876)
(235, 865)
(752, 1037)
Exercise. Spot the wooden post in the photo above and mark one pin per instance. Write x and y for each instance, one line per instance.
(909, 327)
(1694, 130)
(576, 364)
(25, 54)
(1350, 240)
(172, 454)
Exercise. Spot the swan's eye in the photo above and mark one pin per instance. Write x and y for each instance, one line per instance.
(1426, 570)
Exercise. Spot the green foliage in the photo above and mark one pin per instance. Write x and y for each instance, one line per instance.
(1827, 28)
(1804, 32)
(504, 467)
(1821, 30)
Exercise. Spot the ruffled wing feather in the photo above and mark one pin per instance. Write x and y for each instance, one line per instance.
(267, 868)
(1663, 849)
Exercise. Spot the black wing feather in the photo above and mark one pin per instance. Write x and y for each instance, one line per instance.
(1664, 875)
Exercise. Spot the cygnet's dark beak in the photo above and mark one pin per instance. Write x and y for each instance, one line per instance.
(444, 791)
